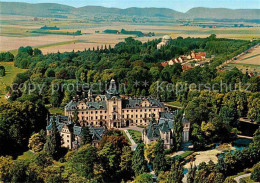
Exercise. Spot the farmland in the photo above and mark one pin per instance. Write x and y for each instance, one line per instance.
(16, 31)
(248, 62)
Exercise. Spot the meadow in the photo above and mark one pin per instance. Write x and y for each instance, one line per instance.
(7, 80)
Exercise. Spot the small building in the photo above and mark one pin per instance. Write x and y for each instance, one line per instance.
(164, 42)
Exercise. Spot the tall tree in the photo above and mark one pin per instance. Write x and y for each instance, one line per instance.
(159, 162)
(139, 163)
(176, 172)
(86, 137)
(126, 163)
(53, 142)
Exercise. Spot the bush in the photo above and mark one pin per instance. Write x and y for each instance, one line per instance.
(255, 175)
(2, 71)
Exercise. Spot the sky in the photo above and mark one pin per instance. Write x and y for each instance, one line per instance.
(179, 5)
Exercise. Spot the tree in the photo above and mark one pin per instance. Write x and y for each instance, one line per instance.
(176, 172)
(2, 71)
(159, 162)
(53, 142)
(230, 180)
(126, 163)
(82, 162)
(149, 151)
(139, 163)
(144, 178)
(86, 137)
(255, 175)
(36, 142)
(6, 164)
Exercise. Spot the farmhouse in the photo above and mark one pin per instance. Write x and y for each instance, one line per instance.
(112, 110)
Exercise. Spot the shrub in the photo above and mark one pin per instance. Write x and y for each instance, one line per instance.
(255, 175)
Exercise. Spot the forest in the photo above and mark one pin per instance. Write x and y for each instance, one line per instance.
(213, 113)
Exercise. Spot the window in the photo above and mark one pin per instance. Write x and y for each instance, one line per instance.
(114, 108)
(122, 116)
(105, 117)
(96, 117)
(82, 112)
(101, 112)
(91, 112)
(114, 117)
(132, 116)
(136, 116)
(68, 141)
(127, 110)
(96, 112)
(68, 136)
(101, 117)
(132, 111)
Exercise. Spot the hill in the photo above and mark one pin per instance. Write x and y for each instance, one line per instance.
(223, 13)
(62, 11)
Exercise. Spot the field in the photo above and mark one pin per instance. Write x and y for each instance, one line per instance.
(7, 80)
(248, 62)
(16, 31)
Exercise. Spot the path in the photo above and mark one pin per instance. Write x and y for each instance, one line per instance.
(245, 137)
(242, 176)
(178, 153)
(134, 145)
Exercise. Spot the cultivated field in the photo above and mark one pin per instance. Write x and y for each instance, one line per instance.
(252, 57)
(16, 31)
(249, 62)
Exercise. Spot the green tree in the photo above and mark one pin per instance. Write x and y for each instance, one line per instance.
(176, 172)
(36, 142)
(144, 178)
(86, 137)
(53, 142)
(126, 163)
(159, 162)
(82, 162)
(139, 163)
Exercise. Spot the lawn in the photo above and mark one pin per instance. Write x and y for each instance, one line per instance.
(55, 110)
(7, 80)
(174, 104)
(136, 135)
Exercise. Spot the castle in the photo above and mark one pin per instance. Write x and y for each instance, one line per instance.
(113, 111)
(108, 111)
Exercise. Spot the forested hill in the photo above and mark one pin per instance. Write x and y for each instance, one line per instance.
(58, 10)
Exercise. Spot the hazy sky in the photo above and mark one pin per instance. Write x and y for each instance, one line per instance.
(179, 5)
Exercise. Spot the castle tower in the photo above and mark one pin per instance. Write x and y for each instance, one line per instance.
(186, 129)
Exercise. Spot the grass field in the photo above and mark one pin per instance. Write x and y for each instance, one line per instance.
(7, 80)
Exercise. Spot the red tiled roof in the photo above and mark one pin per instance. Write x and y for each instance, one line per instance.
(164, 63)
(185, 67)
